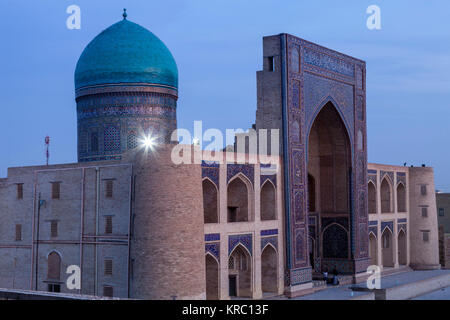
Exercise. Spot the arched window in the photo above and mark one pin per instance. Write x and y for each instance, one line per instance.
(267, 200)
(401, 198)
(385, 196)
(372, 197)
(210, 202)
(54, 266)
(240, 272)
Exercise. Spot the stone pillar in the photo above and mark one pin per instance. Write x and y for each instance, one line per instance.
(223, 212)
(395, 235)
(257, 290)
(380, 244)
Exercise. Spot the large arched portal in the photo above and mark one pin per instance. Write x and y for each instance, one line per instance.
(212, 278)
(269, 263)
(329, 162)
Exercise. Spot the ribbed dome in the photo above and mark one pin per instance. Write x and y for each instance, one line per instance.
(126, 53)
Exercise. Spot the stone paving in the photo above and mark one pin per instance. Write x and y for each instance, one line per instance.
(344, 292)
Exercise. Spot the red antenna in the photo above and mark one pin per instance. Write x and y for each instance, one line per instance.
(47, 144)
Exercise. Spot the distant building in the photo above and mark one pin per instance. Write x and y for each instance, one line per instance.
(138, 225)
(443, 213)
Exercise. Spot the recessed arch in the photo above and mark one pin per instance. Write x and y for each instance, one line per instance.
(210, 201)
(335, 241)
(401, 197)
(372, 194)
(212, 277)
(386, 195)
(387, 251)
(269, 269)
(239, 199)
(373, 248)
(268, 201)
(240, 272)
(402, 253)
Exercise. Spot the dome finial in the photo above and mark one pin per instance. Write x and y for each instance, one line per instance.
(124, 15)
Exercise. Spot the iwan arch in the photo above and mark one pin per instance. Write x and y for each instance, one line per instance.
(145, 227)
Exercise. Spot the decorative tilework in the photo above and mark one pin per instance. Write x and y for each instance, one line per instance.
(214, 249)
(402, 226)
(388, 224)
(212, 237)
(272, 178)
(402, 220)
(244, 239)
(211, 170)
(247, 170)
(266, 240)
(373, 223)
(390, 174)
(300, 275)
(331, 63)
(401, 177)
(374, 230)
(269, 232)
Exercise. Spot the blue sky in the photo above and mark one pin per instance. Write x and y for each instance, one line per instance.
(218, 49)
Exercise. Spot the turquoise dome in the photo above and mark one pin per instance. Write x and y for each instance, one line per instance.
(126, 53)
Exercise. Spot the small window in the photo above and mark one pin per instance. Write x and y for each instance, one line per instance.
(54, 287)
(109, 188)
(54, 229)
(232, 214)
(20, 191)
(108, 225)
(441, 212)
(108, 267)
(423, 190)
(426, 236)
(108, 291)
(56, 188)
(18, 232)
(424, 212)
(270, 63)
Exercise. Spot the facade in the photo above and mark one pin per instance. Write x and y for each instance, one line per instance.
(443, 209)
(140, 225)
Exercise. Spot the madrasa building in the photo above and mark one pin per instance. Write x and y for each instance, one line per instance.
(139, 225)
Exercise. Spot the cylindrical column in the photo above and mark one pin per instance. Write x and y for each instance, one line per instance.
(167, 248)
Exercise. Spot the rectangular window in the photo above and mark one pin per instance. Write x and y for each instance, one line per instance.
(441, 212)
(108, 291)
(108, 225)
(109, 188)
(424, 212)
(54, 287)
(426, 236)
(108, 267)
(56, 188)
(423, 189)
(18, 232)
(20, 191)
(271, 64)
(232, 214)
(54, 229)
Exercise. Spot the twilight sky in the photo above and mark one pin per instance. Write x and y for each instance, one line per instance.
(218, 49)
